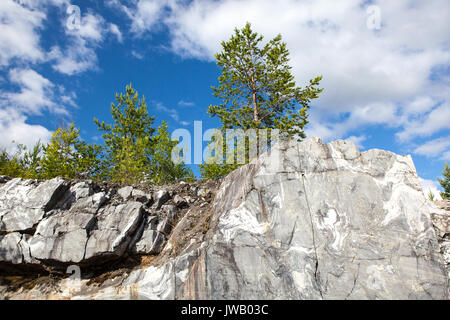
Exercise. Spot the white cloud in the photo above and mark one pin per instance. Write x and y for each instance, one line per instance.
(79, 55)
(36, 93)
(19, 33)
(145, 14)
(168, 111)
(371, 77)
(76, 58)
(430, 185)
(183, 103)
(114, 29)
(419, 106)
(438, 119)
(137, 55)
(445, 156)
(14, 129)
(436, 147)
(173, 113)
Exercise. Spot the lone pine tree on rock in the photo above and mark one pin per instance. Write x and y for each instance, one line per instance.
(258, 90)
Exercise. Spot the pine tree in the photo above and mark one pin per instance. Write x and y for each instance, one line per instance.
(10, 165)
(67, 156)
(128, 142)
(445, 182)
(23, 163)
(31, 161)
(258, 90)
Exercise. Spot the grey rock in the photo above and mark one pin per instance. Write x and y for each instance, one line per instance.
(141, 196)
(90, 204)
(194, 190)
(179, 201)
(303, 221)
(323, 221)
(161, 197)
(125, 192)
(202, 192)
(62, 237)
(147, 243)
(24, 203)
(114, 230)
(81, 190)
(4, 179)
(10, 249)
(166, 224)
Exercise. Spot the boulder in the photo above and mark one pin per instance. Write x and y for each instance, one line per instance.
(147, 237)
(114, 228)
(10, 248)
(161, 197)
(24, 202)
(125, 192)
(180, 202)
(62, 237)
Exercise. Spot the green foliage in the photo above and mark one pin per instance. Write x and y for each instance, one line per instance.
(216, 171)
(215, 167)
(445, 182)
(128, 142)
(163, 169)
(430, 196)
(23, 164)
(257, 87)
(258, 91)
(67, 156)
(133, 152)
(10, 165)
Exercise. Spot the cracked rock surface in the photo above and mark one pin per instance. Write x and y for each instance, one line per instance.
(303, 221)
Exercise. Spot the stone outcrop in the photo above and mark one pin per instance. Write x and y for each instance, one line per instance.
(303, 221)
(49, 225)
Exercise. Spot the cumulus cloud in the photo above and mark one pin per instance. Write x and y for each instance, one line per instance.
(114, 29)
(83, 39)
(30, 93)
(137, 55)
(35, 94)
(168, 111)
(436, 147)
(145, 15)
(14, 129)
(432, 122)
(19, 33)
(371, 77)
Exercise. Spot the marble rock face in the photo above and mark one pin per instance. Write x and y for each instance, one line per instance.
(304, 220)
(324, 221)
(24, 202)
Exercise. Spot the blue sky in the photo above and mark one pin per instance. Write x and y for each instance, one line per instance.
(386, 66)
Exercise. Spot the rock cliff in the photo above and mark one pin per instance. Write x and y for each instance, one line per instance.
(303, 221)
